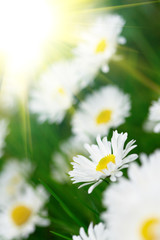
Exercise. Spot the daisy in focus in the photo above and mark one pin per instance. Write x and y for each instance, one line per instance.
(99, 43)
(104, 109)
(3, 133)
(97, 232)
(54, 93)
(135, 202)
(13, 176)
(19, 217)
(153, 123)
(107, 159)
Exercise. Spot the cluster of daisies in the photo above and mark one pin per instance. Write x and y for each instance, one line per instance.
(132, 205)
(56, 90)
(100, 111)
(22, 205)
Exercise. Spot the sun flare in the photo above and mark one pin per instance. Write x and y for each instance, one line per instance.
(25, 29)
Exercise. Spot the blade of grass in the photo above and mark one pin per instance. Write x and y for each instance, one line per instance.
(139, 76)
(62, 225)
(63, 205)
(62, 236)
(122, 6)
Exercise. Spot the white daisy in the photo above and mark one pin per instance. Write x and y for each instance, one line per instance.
(104, 109)
(98, 232)
(99, 43)
(13, 176)
(61, 160)
(19, 217)
(153, 123)
(3, 133)
(106, 160)
(54, 93)
(133, 210)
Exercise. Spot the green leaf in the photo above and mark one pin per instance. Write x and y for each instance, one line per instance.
(63, 205)
(62, 236)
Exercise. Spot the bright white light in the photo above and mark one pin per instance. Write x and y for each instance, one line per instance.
(28, 31)
(25, 27)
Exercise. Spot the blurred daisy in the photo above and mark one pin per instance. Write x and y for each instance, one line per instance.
(54, 93)
(135, 202)
(13, 177)
(107, 159)
(3, 133)
(106, 108)
(99, 43)
(59, 167)
(61, 160)
(19, 217)
(153, 123)
(98, 232)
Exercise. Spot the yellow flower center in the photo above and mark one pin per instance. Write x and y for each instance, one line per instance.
(101, 46)
(21, 214)
(149, 229)
(61, 91)
(104, 116)
(104, 162)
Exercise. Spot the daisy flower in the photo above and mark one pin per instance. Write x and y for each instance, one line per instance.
(3, 133)
(98, 232)
(133, 210)
(13, 176)
(61, 160)
(19, 217)
(99, 42)
(54, 93)
(104, 109)
(153, 123)
(107, 159)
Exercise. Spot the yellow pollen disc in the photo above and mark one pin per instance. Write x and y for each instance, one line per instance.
(104, 162)
(15, 180)
(104, 117)
(61, 91)
(101, 46)
(20, 215)
(148, 229)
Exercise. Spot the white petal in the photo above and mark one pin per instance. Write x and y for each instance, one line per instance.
(93, 186)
